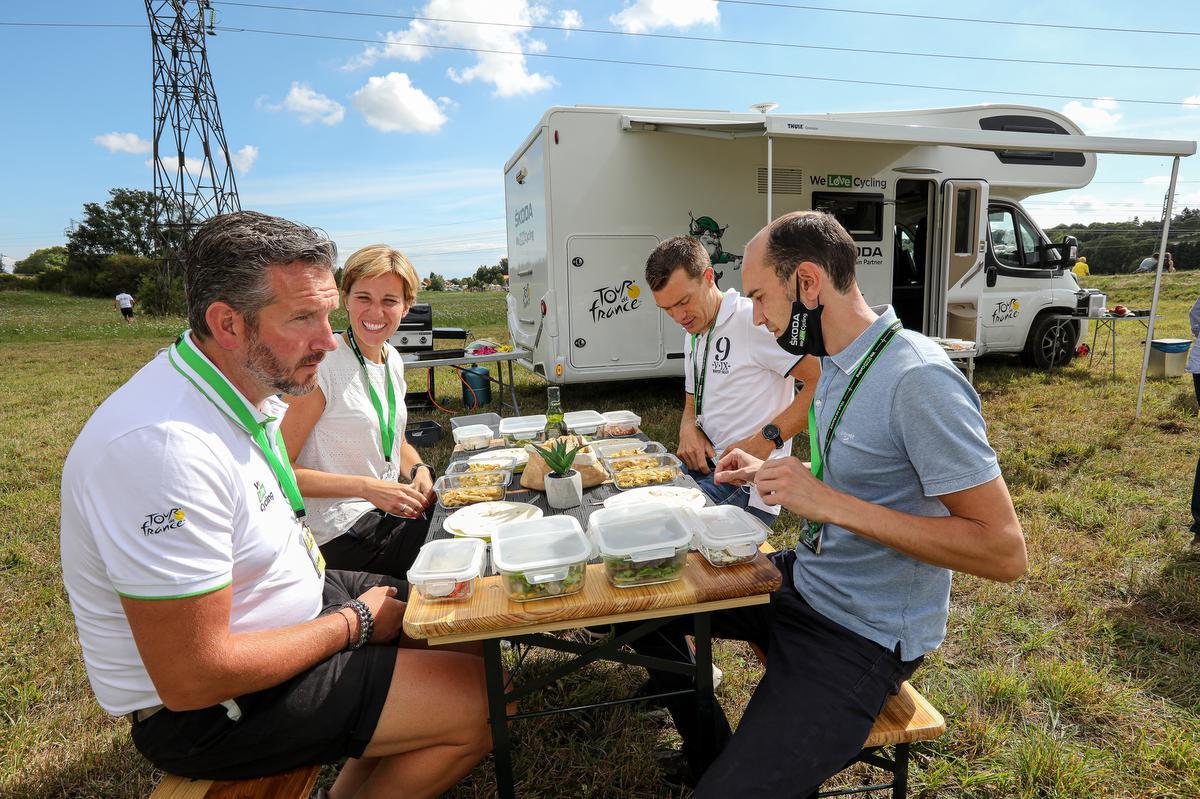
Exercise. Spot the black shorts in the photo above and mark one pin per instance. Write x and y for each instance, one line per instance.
(317, 717)
(127, 312)
(379, 543)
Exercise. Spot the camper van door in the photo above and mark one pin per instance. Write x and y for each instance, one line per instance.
(954, 312)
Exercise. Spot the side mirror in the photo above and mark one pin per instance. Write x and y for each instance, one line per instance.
(991, 272)
(1071, 245)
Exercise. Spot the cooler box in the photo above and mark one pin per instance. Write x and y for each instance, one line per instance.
(1168, 357)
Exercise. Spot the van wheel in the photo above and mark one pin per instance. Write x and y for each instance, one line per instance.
(1051, 343)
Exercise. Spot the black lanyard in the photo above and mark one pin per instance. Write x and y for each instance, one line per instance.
(699, 376)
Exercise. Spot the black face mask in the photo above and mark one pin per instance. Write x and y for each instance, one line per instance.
(803, 333)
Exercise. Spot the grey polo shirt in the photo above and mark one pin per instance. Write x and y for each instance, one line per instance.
(911, 433)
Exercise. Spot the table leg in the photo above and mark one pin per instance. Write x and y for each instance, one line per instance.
(705, 745)
(493, 668)
(512, 387)
(1112, 343)
(1095, 333)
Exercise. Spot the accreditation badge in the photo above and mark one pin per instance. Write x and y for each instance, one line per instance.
(810, 535)
(309, 542)
(391, 474)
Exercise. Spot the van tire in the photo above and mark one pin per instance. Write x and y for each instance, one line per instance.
(1051, 342)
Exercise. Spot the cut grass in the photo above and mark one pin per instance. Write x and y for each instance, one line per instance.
(1080, 680)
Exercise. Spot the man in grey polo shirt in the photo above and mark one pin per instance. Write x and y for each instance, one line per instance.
(906, 490)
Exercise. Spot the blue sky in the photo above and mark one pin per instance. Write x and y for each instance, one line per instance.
(406, 145)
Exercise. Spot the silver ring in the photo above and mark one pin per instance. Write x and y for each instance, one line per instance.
(404, 508)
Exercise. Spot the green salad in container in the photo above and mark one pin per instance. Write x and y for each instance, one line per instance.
(520, 589)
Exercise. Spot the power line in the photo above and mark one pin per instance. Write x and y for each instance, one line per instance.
(696, 68)
(72, 25)
(707, 39)
(975, 20)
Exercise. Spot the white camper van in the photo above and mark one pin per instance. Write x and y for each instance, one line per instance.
(933, 199)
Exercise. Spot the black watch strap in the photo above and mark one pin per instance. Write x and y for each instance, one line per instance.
(412, 473)
(772, 433)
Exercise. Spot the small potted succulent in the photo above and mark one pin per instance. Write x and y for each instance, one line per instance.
(564, 486)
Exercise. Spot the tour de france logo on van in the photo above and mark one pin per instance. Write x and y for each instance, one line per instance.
(615, 300)
(156, 523)
(1005, 310)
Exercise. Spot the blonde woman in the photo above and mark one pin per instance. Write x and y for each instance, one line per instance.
(366, 488)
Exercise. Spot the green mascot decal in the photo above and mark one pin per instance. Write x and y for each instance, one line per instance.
(709, 232)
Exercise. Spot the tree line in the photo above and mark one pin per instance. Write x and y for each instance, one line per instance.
(1116, 247)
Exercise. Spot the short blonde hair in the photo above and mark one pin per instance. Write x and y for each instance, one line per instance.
(376, 260)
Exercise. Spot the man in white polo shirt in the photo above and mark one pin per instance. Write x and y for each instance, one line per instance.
(204, 609)
(738, 382)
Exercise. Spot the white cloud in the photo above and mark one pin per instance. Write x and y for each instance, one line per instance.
(508, 74)
(244, 158)
(1192, 102)
(123, 143)
(193, 167)
(649, 15)
(1097, 117)
(1157, 180)
(311, 106)
(392, 103)
(570, 18)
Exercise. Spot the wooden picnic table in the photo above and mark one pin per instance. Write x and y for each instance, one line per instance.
(490, 617)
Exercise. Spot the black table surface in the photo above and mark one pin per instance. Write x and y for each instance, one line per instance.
(592, 498)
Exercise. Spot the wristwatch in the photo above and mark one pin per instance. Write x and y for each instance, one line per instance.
(412, 473)
(771, 433)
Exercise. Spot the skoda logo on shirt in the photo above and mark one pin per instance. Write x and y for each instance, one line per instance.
(265, 496)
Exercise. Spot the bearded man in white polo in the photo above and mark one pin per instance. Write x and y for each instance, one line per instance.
(738, 383)
(202, 602)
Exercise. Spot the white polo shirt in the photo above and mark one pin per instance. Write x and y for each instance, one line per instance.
(124, 300)
(746, 382)
(163, 497)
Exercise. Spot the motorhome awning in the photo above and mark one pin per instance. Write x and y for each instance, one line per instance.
(800, 127)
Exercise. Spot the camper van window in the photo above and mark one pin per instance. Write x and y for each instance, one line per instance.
(1030, 241)
(1003, 229)
(860, 214)
(964, 222)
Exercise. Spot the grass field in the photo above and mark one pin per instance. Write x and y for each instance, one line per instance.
(1080, 680)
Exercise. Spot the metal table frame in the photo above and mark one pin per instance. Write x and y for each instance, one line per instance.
(462, 361)
(1108, 324)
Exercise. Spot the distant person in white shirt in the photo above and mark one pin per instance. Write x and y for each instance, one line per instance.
(739, 390)
(202, 602)
(125, 303)
(366, 488)
(1148, 264)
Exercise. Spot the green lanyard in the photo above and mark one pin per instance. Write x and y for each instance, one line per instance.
(387, 425)
(815, 452)
(698, 375)
(233, 406)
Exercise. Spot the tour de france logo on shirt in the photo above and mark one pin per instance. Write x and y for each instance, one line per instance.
(265, 495)
(156, 523)
(720, 362)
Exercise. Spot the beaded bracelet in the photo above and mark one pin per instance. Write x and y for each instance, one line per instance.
(366, 623)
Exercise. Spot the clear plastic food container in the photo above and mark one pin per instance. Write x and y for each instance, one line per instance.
(641, 544)
(726, 535)
(541, 558)
(473, 437)
(496, 464)
(458, 490)
(643, 470)
(583, 422)
(621, 448)
(622, 423)
(448, 569)
(627, 463)
(521, 430)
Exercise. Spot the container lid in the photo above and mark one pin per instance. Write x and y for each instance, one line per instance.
(471, 431)
(622, 417)
(646, 531)
(441, 564)
(573, 419)
(727, 527)
(541, 549)
(517, 425)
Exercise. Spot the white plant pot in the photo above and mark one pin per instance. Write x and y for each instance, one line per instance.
(564, 492)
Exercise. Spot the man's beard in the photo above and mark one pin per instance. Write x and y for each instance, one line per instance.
(267, 369)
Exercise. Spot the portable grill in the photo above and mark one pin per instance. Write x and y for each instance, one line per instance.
(415, 333)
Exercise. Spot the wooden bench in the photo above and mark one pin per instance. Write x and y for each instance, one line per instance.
(295, 784)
